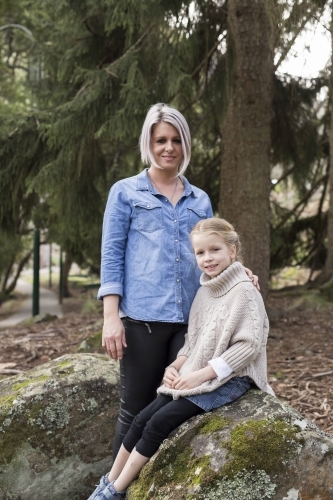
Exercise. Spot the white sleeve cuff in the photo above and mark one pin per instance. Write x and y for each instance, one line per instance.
(220, 367)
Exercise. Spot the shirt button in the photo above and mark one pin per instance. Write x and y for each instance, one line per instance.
(177, 280)
(179, 301)
(175, 220)
(148, 206)
(176, 241)
(177, 260)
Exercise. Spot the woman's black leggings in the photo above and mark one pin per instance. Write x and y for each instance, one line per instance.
(153, 424)
(151, 347)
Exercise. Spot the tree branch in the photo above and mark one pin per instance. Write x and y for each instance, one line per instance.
(301, 202)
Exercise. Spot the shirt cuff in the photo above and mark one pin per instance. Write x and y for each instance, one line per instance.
(221, 368)
(110, 289)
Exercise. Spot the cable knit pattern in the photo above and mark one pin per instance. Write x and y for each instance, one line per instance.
(227, 319)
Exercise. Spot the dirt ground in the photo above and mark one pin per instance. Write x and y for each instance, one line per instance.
(300, 348)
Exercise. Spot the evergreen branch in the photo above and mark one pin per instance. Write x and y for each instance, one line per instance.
(292, 41)
(207, 56)
(130, 50)
(85, 22)
(21, 265)
(17, 66)
(302, 201)
(283, 177)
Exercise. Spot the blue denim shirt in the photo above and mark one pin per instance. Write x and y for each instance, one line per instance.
(147, 257)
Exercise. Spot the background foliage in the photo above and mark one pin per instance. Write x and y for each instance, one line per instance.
(72, 107)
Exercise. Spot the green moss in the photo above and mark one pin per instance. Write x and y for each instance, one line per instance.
(65, 368)
(177, 464)
(256, 451)
(261, 444)
(6, 402)
(213, 424)
(64, 364)
(25, 383)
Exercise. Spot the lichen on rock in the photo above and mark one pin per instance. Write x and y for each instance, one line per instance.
(254, 449)
(58, 420)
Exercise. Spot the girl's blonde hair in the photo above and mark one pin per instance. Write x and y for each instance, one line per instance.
(224, 229)
(161, 112)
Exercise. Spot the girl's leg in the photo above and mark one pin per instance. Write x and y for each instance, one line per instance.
(142, 368)
(135, 433)
(157, 429)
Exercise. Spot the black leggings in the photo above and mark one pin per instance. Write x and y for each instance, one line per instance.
(151, 347)
(154, 424)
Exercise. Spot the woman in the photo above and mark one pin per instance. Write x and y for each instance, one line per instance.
(147, 221)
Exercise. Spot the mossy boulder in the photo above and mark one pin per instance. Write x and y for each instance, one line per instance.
(254, 449)
(57, 423)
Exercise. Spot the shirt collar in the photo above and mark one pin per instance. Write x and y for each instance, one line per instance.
(143, 184)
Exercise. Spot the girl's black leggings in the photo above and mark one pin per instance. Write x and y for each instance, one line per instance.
(151, 347)
(153, 424)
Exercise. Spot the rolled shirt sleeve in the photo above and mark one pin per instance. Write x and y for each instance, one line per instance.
(221, 368)
(116, 225)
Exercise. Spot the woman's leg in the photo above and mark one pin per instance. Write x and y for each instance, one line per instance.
(142, 367)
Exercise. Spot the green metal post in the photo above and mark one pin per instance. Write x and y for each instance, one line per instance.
(61, 279)
(35, 289)
(50, 267)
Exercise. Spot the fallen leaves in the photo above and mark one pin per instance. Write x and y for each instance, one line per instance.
(300, 361)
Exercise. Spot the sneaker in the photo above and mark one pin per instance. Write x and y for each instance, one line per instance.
(106, 491)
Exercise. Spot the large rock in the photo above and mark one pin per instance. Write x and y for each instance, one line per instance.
(56, 428)
(254, 449)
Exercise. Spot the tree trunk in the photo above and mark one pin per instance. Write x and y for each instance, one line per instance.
(327, 273)
(67, 267)
(245, 172)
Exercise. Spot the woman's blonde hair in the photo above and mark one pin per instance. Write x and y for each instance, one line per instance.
(221, 227)
(163, 113)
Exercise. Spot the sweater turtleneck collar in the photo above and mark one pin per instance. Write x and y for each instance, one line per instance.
(230, 277)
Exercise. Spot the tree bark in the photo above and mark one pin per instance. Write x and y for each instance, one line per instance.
(327, 272)
(67, 267)
(245, 170)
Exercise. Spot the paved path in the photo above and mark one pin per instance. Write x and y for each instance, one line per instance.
(48, 303)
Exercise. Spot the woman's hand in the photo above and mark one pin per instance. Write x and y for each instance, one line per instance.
(113, 337)
(170, 376)
(254, 278)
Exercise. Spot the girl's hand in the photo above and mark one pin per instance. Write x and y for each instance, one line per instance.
(170, 376)
(189, 380)
(113, 337)
(194, 379)
(254, 278)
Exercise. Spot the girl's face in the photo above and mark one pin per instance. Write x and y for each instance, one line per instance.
(212, 253)
(166, 146)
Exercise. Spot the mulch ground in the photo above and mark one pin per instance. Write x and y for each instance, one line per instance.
(300, 351)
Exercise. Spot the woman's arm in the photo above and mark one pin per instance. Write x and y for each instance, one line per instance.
(116, 225)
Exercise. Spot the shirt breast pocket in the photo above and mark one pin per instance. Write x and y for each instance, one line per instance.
(149, 216)
(194, 215)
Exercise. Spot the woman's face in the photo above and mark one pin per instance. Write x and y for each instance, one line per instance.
(166, 146)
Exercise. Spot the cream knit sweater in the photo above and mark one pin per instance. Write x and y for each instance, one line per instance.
(227, 319)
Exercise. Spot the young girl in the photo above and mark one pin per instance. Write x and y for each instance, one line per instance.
(224, 351)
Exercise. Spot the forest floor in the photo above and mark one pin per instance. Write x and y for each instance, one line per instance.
(300, 347)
